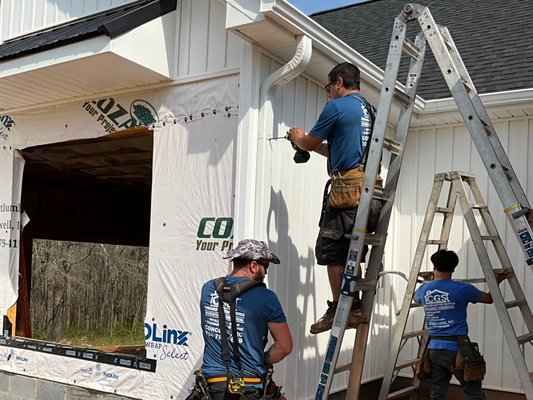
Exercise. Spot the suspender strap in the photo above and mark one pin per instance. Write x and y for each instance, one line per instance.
(370, 111)
(236, 355)
(226, 355)
(228, 294)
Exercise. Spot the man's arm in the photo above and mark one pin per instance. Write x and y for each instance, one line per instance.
(282, 345)
(487, 297)
(307, 142)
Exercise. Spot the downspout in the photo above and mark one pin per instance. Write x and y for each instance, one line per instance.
(269, 86)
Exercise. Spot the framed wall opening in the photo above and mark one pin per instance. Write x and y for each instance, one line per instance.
(84, 255)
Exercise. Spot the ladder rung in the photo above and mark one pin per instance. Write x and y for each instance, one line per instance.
(408, 363)
(410, 48)
(362, 284)
(373, 239)
(401, 97)
(392, 145)
(437, 241)
(490, 237)
(342, 368)
(514, 303)
(425, 274)
(402, 392)
(413, 334)
(471, 280)
(444, 210)
(479, 206)
(381, 193)
(415, 304)
(528, 337)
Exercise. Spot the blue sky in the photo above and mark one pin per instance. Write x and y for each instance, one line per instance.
(311, 6)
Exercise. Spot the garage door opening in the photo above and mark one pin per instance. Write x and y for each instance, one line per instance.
(84, 261)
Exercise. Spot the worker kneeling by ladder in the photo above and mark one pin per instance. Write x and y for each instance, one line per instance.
(251, 259)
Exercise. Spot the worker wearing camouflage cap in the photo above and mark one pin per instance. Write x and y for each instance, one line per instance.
(258, 311)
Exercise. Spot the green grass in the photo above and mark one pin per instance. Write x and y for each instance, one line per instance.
(122, 335)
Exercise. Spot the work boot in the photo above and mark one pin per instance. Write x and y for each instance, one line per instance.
(357, 316)
(326, 321)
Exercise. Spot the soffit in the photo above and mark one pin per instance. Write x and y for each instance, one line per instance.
(119, 159)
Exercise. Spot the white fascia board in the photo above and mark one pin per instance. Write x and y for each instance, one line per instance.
(496, 99)
(59, 55)
(151, 45)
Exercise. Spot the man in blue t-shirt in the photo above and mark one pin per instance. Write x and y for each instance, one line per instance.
(258, 311)
(445, 302)
(340, 134)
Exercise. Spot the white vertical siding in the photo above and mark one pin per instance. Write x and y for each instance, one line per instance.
(205, 45)
(442, 149)
(19, 17)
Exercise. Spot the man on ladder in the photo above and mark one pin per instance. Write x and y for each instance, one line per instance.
(345, 124)
(445, 302)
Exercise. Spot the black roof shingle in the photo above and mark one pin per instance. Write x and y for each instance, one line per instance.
(494, 38)
(112, 23)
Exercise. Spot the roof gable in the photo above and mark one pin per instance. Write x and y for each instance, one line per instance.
(494, 39)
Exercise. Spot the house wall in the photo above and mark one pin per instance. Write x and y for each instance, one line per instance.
(19, 17)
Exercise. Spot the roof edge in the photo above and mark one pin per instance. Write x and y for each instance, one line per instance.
(494, 99)
(328, 43)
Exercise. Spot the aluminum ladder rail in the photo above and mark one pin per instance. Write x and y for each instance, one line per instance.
(359, 237)
(484, 136)
(516, 343)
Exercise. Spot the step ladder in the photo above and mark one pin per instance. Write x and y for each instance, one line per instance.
(462, 188)
(501, 173)
(352, 283)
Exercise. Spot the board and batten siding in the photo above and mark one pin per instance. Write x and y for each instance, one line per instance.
(20, 17)
(205, 46)
(441, 149)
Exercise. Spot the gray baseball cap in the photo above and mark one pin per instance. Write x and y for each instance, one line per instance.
(250, 249)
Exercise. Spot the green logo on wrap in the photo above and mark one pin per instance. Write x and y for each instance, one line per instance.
(215, 234)
(114, 116)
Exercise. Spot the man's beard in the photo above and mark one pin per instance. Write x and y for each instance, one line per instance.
(259, 277)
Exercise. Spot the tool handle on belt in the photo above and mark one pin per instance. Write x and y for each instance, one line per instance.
(202, 386)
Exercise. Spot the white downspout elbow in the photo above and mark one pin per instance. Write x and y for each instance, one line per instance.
(269, 86)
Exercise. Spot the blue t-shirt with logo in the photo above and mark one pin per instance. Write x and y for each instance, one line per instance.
(255, 309)
(346, 124)
(445, 302)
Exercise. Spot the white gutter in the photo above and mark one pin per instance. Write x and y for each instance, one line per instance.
(327, 43)
(269, 86)
(496, 99)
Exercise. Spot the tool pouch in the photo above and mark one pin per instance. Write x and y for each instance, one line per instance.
(200, 390)
(469, 364)
(346, 188)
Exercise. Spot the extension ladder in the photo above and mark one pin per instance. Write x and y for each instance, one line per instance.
(480, 239)
(500, 171)
(353, 283)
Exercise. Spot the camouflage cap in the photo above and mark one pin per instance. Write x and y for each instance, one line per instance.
(250, 249)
